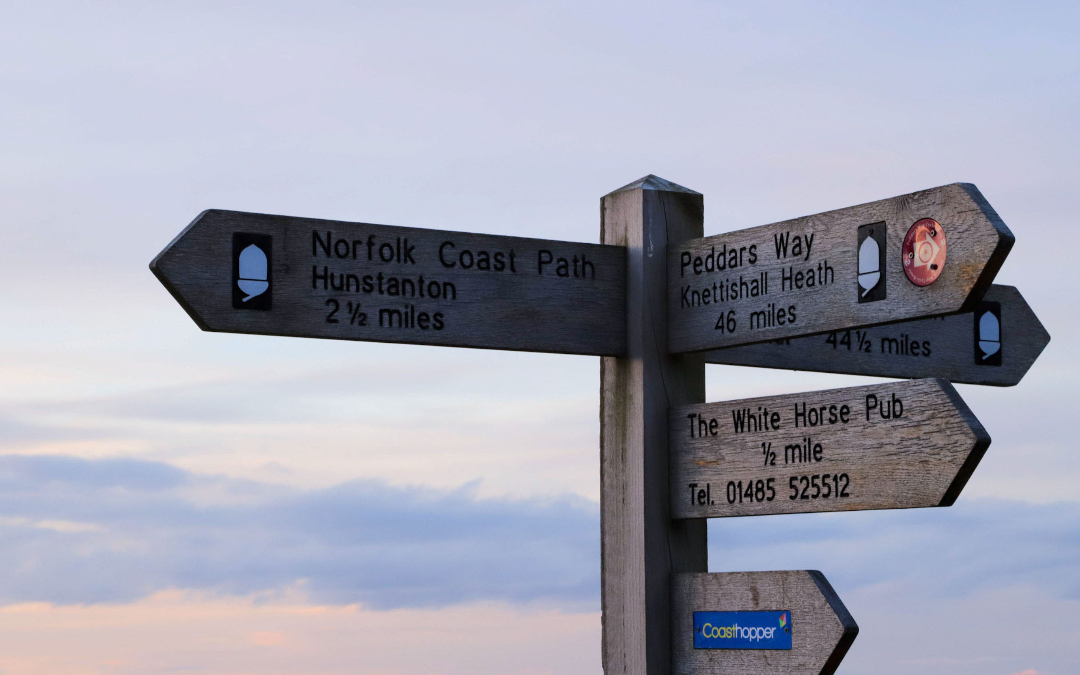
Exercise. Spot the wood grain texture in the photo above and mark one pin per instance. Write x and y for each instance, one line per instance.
(977, 243)
(943, 347)
(822, 628)
(640, 543)
(526, 306)
(921, 457)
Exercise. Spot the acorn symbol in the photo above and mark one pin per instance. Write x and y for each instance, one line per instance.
(926, 250)
(252, 276)
(989, 335)
(869, 265)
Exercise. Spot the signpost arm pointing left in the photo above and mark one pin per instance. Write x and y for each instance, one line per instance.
(641, 545)
(263, 274)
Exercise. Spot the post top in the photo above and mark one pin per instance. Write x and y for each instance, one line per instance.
(652, 182)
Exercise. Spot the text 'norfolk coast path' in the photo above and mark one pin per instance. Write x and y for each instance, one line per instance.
(279, 275)
(917, 255)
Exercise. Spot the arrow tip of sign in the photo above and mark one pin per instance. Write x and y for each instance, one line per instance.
(850, 628)
(978, 448)
(1035, 337)
(158, 267)
(652, 182)
(1040, 337)
(1004, 244)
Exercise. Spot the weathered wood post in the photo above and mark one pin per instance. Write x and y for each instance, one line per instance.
(641, 545)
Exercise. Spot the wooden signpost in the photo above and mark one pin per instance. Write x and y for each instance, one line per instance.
(764, 623)
(917, 255)
(897, 445)
(277, 275)
(641, 544)
(995, 345)
(650, 299)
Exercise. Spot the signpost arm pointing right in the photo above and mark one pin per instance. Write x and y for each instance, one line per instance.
(927, 253)
(819, 629)
(994, 345)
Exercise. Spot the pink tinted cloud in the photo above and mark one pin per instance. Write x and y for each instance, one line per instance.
(207, 635)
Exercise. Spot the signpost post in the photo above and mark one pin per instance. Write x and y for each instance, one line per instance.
(897, 445)
(995, 345)
(923, 254)
(641, 544)
(650, 299)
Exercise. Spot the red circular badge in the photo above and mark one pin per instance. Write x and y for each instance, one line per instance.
(924, 252)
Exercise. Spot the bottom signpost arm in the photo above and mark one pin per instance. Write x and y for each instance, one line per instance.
(758, 623)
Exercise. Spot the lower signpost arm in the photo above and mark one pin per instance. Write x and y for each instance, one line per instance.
(642, 546)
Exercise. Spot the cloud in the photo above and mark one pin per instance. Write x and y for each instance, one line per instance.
(197, 634)
(84, 531)
(975, 545)
(18, 432)
(904, 629)
(17, 471)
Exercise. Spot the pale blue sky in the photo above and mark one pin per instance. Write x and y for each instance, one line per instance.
(139, 455)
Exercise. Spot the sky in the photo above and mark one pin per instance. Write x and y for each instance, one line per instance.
(180, 501)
